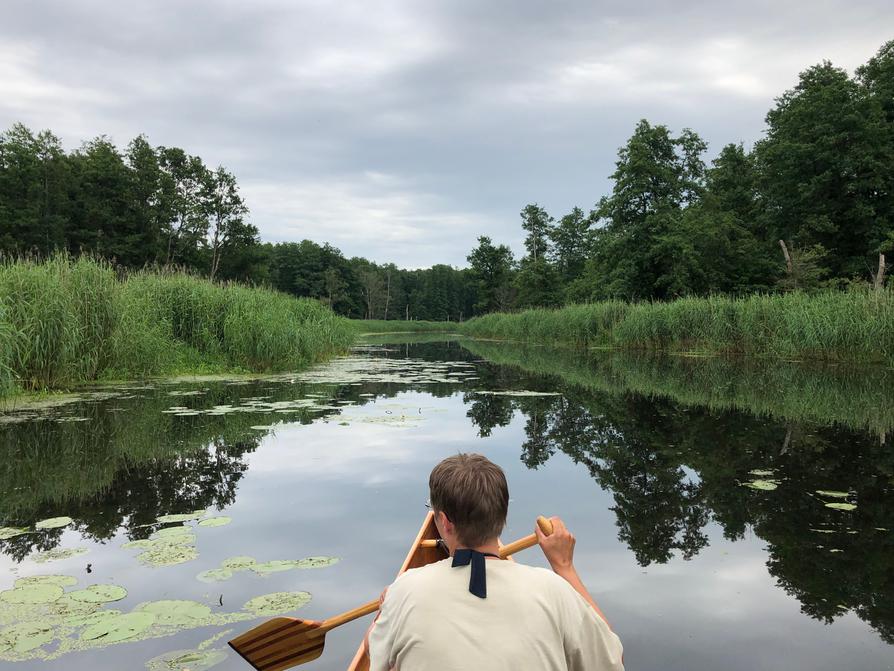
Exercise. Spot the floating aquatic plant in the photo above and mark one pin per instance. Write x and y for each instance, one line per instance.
(99, 594)
(841, 506)
(11, 532)
(26, 636)
(277, 602)
(762, 472)
(182, 517)
(831, 494)
(32, 594)
(238, 563)
(57, 554)
(522, 393)
(54, 523)
(215, 575)
(763, 485)
(216, 521)
(177, 612)
(187, 660)
(168, 555)
(118, 628)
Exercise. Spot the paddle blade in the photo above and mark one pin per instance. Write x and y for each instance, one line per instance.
(280, 643)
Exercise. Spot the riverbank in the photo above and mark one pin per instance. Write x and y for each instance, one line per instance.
(65, 322)
(368, 326)
(847, 326)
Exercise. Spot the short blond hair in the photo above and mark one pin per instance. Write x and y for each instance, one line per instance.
(472, 491)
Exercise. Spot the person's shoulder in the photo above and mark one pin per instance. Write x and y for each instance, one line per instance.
(410, 578)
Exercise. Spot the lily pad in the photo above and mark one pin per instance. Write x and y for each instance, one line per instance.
(841, 506)
(761, 472)
(274, 566)
(99, 594)
(175, 612)
(315, 562)
(277, 603)
(216, 521)
(60, 580)
(187, 660)
(57, 554)
(90, 619)
(168, 555)
(142, 544)
(831, 494)
(120, 628)
(763, 485)
(215, 575)
(53, 523)
(32, 594)
(11, 532)
(26, 636)
(181, 530)
(238, 563)
(182, 517)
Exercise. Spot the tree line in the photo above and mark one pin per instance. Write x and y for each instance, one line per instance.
(811, 205)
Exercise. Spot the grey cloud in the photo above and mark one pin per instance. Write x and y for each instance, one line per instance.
(467, 110)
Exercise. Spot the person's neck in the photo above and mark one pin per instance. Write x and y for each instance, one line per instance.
(490, 547)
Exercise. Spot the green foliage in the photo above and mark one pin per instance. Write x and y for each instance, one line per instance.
(362, 326)
(67, 320)
(857, 325)
(491, 270)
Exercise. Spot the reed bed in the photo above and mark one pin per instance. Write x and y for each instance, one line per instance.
(853, 326)
(66, 321)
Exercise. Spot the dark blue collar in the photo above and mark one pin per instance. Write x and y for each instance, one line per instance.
(478, 579)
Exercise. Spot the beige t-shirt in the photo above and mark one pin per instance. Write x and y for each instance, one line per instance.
(531, 619)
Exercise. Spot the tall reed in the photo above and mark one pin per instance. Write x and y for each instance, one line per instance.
(65, 321)
(855, 325)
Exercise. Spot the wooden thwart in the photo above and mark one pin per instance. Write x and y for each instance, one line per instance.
(284, 642)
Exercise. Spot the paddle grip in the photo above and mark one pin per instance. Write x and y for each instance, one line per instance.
(545, 526)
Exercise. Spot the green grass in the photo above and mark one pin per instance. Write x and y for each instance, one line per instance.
(362, 326)
(852, 326)
(68, 321)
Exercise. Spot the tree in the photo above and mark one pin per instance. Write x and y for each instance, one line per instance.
(825, 170)
(656, 177)
(572, 240)
(491, 271)
(225, 209)
(183, 181)
(538, 224)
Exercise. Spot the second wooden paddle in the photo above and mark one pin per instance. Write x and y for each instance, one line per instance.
(284, 642)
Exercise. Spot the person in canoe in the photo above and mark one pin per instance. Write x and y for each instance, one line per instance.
(473, 611)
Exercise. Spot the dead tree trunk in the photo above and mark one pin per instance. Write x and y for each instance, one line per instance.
(880, 275)
(788, 258)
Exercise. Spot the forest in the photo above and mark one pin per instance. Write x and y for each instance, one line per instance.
(810, 206)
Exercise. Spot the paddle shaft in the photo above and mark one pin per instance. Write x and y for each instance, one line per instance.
(521, 544)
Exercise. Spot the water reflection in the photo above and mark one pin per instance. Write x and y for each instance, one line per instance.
(672, 440)
(673, 468)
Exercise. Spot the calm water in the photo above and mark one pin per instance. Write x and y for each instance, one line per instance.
(648, 460)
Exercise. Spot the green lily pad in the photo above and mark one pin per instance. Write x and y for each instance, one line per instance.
(168, 555)
(99, 594)
(32, 594)
(215, 575)
(315, 562)
(836, 506)
(216, 521)
(66, 607)
(142, 544)
(182, 517)
(54, 523)
(763, 485)
(176, 612)
(11, 532)
(761, 472)
(274, 566)
(61, 580)
(187, 660)
(57, 554)
(120, 628)
(238, 563)
(26, 636)
(277, 603)
(831, 494)
(181, 530)
(90, 619)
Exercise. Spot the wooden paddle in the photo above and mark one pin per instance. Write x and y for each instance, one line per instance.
(284, 642)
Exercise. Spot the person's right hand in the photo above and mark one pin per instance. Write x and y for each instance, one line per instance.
(558, 547)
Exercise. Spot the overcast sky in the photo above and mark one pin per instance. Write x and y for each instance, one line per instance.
(402, 130)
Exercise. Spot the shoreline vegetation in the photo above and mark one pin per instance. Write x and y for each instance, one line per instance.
(855, 326)
(65, 322)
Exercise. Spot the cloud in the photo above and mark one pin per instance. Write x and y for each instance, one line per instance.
(471, 109)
